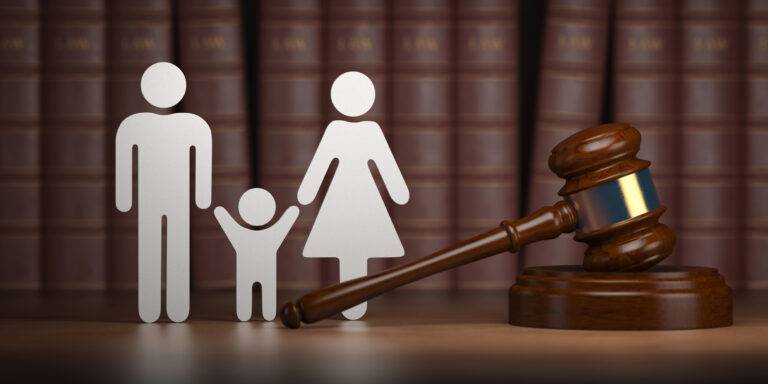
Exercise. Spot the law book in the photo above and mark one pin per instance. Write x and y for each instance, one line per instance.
(357, 40)
(645, 89)
(210, 46)
(570, 98)
(711, 150)
(487, 134)
(74, 144)
(756, 131)
(291, 114)
(140, 34)
(421, 128)
(19, 145)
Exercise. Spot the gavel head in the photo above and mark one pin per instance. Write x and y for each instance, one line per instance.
(614, 197)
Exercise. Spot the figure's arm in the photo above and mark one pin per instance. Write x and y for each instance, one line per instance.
(284, 225)
(317, 169)
(227, 222)
(123, 168)
(203, 166)
(389, 171)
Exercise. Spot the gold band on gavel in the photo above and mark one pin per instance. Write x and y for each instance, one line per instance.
(615, 201)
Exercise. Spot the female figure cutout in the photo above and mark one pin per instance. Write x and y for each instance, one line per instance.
(353, 223)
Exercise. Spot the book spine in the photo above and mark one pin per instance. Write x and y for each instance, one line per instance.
(211, 56)
(140, 34)
(570, 99)
(74, 142)
(421, 127)
(756, 131)
(291, 122)
(711, 137)
(645, 89)
(20, 146)
(357, 40)
(487, 134)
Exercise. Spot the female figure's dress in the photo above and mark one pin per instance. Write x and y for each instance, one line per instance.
(353, 223)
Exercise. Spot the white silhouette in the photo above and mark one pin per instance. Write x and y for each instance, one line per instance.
(256, 250)
(353, 224)
(164, 143)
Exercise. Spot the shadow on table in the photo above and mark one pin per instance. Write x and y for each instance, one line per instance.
(107, 306)
(72, 306)
(401, 307)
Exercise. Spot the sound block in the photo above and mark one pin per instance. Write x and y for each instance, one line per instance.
(663, 297)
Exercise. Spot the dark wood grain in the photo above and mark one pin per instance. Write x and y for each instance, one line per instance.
(595, 156)
(664, 297)
(406, 337)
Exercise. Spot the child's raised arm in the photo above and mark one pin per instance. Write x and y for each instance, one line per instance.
(227, 223)
(284, 225)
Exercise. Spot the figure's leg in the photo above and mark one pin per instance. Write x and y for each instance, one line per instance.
(352, 269)
(177, 268)
(268, 300)
(244, 291)
(150, 266)
(269, 289)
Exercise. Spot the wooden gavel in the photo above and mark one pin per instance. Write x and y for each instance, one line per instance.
(609, 200)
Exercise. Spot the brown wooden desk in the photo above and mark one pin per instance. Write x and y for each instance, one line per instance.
(405, 337)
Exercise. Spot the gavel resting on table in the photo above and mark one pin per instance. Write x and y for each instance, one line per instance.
(609, 200)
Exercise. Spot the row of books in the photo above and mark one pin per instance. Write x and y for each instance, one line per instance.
(446, 78)
(69, 74)
(692, 77)
(689, 75)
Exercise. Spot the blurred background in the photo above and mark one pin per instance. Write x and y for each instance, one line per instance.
(472, 96)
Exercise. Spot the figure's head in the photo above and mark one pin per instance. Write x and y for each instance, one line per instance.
(352, 93)
(257, 206)
(163, 85)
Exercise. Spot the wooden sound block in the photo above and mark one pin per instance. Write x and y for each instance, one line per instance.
(663, 297)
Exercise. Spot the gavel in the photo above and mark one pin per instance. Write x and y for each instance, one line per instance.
(609, 200)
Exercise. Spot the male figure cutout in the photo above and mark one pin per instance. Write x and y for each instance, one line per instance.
(256, 250)
(164, 143)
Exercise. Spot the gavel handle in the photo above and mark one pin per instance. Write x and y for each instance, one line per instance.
(546, 223)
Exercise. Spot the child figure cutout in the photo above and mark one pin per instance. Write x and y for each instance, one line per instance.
(353, 224)
(164, 143)
(256, 250)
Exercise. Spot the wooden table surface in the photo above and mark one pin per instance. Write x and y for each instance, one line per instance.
(406, 337)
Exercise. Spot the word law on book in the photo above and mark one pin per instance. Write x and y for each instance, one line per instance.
(352, 225)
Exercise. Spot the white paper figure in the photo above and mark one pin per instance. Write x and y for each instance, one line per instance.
(164, 143)
(353, 224)
(256, 250)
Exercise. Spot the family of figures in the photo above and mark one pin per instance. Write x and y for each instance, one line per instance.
(352, 225)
